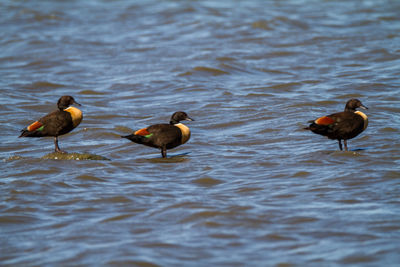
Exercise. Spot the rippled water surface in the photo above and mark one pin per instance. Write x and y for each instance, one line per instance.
(251, 187)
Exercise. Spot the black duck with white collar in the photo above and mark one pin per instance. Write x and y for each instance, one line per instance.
(56, 123)
(342, 125)
(164, 136)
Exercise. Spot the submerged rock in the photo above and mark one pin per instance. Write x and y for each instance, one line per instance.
(73, 156)
(13, 157)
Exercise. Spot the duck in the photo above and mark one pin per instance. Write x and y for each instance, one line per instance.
(342, 125)
(59, 122)
(164, 136)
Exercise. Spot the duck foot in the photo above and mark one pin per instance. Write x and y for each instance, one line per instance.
(340, 144)
(164, 152)
(345, 145)
(57, 148)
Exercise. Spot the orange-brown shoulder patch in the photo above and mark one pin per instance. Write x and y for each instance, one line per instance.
(325, 120)
(34, 126)
(142, 132)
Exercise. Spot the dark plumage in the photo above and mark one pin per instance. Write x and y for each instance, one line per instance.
(56, 123)
(342, 125)
(163, 136)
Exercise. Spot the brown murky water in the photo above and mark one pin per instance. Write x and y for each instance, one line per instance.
(250, 188)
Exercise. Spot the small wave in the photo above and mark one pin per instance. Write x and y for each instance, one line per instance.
(205, 70)
(207, 181)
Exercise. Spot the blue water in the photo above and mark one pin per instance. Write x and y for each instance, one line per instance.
(251, 187)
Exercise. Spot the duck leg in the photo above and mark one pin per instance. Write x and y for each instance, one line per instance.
(340, 144)
(57, 148)
(345, 144)
(164, 152)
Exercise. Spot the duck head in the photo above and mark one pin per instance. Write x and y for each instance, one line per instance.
(179, 116)
(353, 104)
(66, 101)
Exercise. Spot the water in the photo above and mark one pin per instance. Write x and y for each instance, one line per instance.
(250, 188)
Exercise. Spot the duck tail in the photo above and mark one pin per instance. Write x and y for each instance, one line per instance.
(26, 133)
(319, 129)
(135, 138)
(33, 130)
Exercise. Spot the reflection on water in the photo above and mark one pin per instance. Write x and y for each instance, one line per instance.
(250, 187)
(170, 159)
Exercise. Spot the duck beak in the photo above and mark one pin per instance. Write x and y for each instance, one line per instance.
(363, 107)
(189, 119)
(77, 103)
